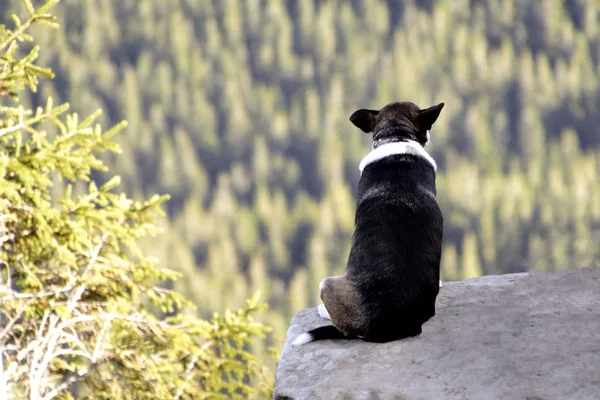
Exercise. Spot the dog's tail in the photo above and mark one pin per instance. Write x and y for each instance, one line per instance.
(322, 333)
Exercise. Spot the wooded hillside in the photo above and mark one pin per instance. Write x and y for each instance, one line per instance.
(239, 109)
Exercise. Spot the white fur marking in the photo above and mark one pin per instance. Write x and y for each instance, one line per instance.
(428, 137)
(441, 283)
(391, 149)
(322, 285)
(323, 312)
(302, 338)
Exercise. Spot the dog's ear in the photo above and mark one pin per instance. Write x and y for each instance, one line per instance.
(428, 116)
(364, 119)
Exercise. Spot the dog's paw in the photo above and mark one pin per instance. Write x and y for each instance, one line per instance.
(323, 312)
(441, 284)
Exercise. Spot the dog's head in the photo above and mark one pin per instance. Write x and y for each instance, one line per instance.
(397, 121)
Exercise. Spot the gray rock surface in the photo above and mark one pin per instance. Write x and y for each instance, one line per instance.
(522, 336)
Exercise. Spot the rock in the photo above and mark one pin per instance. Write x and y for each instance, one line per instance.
(519, 336)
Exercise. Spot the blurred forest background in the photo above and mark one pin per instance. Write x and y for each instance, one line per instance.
(239, 109)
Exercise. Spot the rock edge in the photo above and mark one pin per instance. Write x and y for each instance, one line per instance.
(518, 336)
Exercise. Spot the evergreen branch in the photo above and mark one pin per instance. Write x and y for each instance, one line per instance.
(34, 17)
(190, 366)
(46, 7)
(99, 341)
(68, 381)
(52, 113)
(79, 292)
(29, 7)
(12, 321)
(13, 295)
(11, 129)
(19, 32)
(3, 381)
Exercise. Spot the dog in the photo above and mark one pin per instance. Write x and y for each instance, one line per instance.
(392, 274)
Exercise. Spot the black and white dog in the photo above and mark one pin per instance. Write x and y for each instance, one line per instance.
(392, 275)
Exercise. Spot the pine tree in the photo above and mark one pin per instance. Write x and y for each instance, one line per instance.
(82, 311)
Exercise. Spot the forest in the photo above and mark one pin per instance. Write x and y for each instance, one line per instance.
(239, 110)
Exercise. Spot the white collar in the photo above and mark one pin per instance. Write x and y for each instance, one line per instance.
(395, 148)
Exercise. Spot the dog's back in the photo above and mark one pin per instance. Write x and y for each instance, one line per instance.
(396, 250)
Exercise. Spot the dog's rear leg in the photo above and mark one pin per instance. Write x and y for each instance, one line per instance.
(323, 313)
(343, 305)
